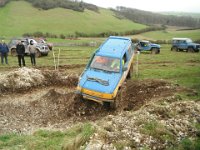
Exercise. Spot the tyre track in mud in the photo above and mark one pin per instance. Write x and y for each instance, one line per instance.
(56, 103)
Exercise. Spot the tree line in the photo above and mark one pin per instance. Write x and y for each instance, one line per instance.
(149, 18)
(75, 5)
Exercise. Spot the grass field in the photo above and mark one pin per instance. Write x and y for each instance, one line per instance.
(19, 17)
(169, 34)
(45, 139)
(178, 67)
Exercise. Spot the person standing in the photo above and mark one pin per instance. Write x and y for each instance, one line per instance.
(32, 50)
(20, 49)
(4, 52)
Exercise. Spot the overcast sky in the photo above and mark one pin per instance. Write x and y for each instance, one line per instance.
(151, 5)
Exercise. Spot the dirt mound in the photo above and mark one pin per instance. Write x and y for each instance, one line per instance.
(56, 107)
(134, 94)
(57, 78)
(25, 78)
(22, 78)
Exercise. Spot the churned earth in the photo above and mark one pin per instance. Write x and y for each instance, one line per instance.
(149, 114)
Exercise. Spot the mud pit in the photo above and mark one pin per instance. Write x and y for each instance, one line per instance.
(33, 99)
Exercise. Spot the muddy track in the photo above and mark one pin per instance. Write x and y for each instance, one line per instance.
(56, 103)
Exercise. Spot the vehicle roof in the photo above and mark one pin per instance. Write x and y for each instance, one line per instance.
(114, 46)
(180, 38)
(144, 41)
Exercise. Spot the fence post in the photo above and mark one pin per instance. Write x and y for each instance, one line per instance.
(54, 60)
(137, 63)
(58, 58)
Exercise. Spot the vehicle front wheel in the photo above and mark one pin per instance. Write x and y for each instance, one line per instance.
(13, 52)
(155, 51)
(190, 50)
(37, 54)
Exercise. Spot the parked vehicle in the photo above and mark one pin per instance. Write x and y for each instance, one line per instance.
(42, 49)
(109, 67)
(42, 41)
(184, 44)
(148, 46)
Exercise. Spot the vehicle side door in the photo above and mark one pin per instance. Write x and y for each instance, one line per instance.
(182, 44)
(126, 60)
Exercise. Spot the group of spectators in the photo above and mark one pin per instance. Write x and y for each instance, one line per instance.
(20, 50)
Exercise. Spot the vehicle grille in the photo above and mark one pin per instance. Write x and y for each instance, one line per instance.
(46, 48)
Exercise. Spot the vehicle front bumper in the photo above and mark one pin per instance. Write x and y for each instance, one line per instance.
(96, 96)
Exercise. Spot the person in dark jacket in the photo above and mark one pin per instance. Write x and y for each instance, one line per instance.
(20, 49)
(4, 52)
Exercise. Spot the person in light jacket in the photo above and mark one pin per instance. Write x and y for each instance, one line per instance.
(32, 50)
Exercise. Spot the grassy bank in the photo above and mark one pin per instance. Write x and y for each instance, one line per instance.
(45, 139)
(19, 17)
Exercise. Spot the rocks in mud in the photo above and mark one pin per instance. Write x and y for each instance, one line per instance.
(155, 126)
(21, 78)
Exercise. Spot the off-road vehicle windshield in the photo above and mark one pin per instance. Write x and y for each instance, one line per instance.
(144, 43)
(106, 64)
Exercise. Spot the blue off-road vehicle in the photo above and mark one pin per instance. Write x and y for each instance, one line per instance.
(181, 44)
(108, 68)
(148, 46)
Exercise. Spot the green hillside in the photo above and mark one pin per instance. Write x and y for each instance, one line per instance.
(169, 34)
(19, 17)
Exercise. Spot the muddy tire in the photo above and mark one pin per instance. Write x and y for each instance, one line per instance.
(13, 52)
(130, 72)
(190, 50)
(38, 53)
(155, 51)
(118, 103)
(78, 98)
(175, 49)
(107, 105)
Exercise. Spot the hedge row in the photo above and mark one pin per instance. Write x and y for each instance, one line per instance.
(102, 34)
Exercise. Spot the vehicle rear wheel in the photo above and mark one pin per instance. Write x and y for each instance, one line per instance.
(154, 51)
(175, 49)
(37, 54)
(190, 50)
(130, 72)
(13, 52)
